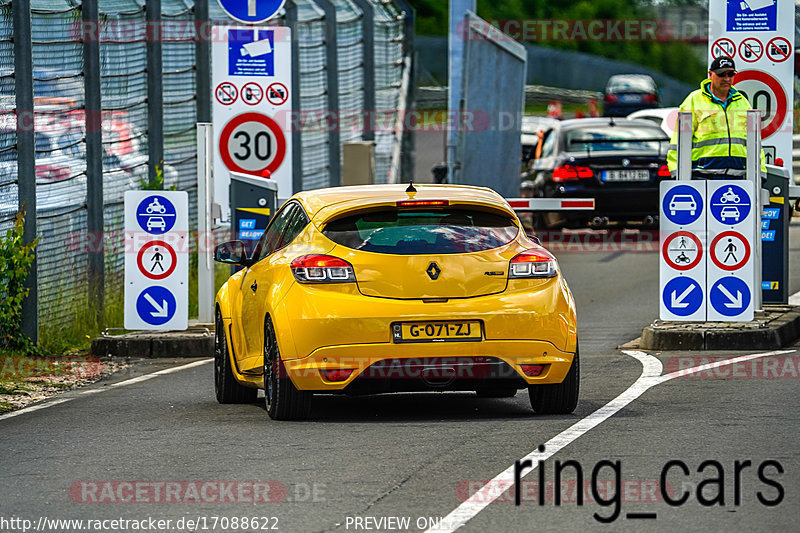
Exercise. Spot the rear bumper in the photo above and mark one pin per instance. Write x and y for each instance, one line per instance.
(408, 367)
(336, 327)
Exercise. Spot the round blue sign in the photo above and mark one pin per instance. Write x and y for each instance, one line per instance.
(155, 214)
(155, 305)
(730, 204)
(251, 11)
(682, 205)
(682, 296)
(729, 296)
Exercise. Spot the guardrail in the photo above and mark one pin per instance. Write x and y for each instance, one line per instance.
(436, 97)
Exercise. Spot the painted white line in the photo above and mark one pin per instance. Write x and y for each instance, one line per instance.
(651, 376)
(794, 299)
(125, 383)
(34, 408)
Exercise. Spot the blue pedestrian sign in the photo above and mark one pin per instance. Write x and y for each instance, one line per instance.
(730, 296)
(156, 215)
(251, 11)
(682, 296)
(155, 305)
(682, 205)
(730, 205)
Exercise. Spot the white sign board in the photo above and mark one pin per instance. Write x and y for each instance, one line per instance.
(730, 263)
(156, 260)
(682, 272)
(707, 261)
(252, 104)
(759, 36)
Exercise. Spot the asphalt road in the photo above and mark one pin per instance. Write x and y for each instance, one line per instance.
(363, 462)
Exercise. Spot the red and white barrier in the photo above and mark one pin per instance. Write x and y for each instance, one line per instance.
(551, 204)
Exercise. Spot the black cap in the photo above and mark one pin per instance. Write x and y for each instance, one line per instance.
(722, 64)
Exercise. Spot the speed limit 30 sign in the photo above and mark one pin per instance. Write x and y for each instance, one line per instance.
(252, 143)
(253, 65)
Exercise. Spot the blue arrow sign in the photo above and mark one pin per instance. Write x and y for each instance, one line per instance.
(682, 296)
(155, 305)
(729, 296)
(155, 214)
(730, 204)
(682, 205)
(251, 11)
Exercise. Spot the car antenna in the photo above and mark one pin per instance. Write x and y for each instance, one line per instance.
(611, 122)
(411, 187)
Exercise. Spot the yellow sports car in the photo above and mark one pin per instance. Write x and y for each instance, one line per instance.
(385, 288)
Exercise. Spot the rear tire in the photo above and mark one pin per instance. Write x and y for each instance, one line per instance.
(558, 398)
(281, 398)
(226, 388)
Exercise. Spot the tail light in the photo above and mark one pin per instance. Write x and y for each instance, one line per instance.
(611, 98)
(532, 370)
(52, 172)
(317, 268)
(533, 264)
(423, 203)
(649, 98)
(664, 172)
(571, 172)
(337, 374)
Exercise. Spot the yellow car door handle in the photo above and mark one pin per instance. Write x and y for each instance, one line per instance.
(254, 286)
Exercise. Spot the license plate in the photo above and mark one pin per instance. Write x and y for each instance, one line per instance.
(626, 175)
(454, 330)
(630, 98)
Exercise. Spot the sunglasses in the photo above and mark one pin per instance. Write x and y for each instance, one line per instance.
(727, 74)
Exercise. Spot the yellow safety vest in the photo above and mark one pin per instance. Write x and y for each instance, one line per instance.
(719, 138)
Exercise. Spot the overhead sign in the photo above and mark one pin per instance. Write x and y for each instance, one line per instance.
(156, 260)
(251, 11)
(759, 36)
(252, 131)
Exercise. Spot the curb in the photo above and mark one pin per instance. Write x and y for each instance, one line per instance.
(779, 327)
(194, 342)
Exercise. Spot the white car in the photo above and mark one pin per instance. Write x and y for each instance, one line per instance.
(682, 202)
(664, 117)
(156, 222)
(729, 212)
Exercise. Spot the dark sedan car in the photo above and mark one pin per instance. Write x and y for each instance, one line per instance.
(626, 93)
(618, 162)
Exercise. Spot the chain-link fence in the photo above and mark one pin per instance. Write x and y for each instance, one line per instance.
(124, 34)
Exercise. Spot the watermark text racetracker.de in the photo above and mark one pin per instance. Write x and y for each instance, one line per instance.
(245, 522)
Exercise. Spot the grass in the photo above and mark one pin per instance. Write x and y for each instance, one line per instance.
(5, 407)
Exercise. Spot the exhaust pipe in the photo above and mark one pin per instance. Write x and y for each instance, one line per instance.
(649, 220)
(438, 376)
(600, 221)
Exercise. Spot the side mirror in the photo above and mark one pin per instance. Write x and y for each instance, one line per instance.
(231, 253)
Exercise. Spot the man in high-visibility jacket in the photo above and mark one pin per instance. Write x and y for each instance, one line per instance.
(719, 127)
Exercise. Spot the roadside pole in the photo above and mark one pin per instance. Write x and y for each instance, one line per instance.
(205, 224)
(753, 172)
(684, 145)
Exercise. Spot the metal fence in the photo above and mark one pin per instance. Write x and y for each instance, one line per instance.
(134, 132)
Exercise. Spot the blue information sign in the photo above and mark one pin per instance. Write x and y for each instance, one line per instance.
(730, 204)
(251, 11)
(752, 15)
(155, 305)
(251, 52)
(155, 214)
(682, 296)
(729, 296)
(682, 205)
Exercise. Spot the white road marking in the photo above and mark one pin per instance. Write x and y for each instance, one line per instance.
(34, 408)
(651, 376)
(125, 383)
(794, 299)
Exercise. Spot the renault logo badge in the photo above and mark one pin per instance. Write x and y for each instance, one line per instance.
(626, 163)
(433, 271)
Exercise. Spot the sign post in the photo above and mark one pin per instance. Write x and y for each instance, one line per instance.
(156, 260)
